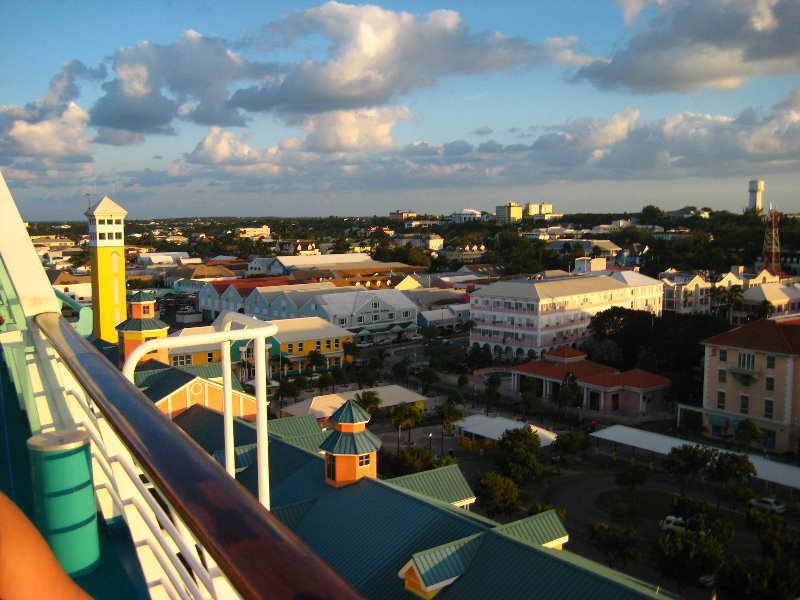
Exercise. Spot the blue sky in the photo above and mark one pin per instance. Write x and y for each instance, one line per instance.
(253, 109)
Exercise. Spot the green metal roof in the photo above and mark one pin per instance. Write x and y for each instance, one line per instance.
(151, 324)
(288, 427)
(447, 561)
(350, 412)
(447, 484)
(310, 442)
(344, 442)
(141, 296)
(205, 426)
(292, 514)
(243, 456)
(538, 529)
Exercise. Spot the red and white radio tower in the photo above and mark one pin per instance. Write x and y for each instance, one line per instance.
(771, 254)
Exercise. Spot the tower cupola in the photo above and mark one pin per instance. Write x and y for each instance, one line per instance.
(350, 451)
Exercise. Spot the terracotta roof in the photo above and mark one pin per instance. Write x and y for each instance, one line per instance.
(636, 378)
(557, 371)
(564, 352)
(766, 335)
(248, 285)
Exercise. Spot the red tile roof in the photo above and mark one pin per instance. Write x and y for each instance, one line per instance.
(564, 352)
(557, 371)
(248, 285)
(765, 335)
(636, 378)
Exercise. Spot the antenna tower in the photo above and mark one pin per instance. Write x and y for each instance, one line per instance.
(771, 254)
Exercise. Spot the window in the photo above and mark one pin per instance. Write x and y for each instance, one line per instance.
(101, 236)
(180, 360)
(330, 467)
(299, 347)
(117, 221)
(210, 357)
(770, 384)
(376, 305)
(342, 320)
(768, 408)
(336, 343)
(745, 380)
(363, 460)
(721, 399)
(744, 404)
(390, 316)
(290, 348)
(318, 345)
(376, 317)
(118, 235)
(406, 314)
(360, 319)
(770, 362)
(614, 401)
(327, 344)
(721, 375)
(747, 361)
(146, 309)
(723, 355)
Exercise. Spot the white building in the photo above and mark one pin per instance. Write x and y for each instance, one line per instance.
(465, 215)
(756, 190)
(517, 318)
(686, 293)
(253, 233)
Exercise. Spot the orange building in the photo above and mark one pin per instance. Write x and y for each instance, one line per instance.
(141, 327)
(350, 451)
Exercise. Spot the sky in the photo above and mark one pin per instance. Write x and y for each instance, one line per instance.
(245, 108)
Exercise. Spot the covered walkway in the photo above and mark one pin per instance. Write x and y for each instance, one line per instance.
(766, 470)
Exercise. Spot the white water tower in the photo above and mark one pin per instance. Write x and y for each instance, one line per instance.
(756, 190)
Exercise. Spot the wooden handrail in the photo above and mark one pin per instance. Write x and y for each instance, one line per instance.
(259, 555)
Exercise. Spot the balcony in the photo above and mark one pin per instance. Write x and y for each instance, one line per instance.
(173, 523)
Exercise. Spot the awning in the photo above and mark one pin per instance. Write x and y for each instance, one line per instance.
(411, 326)
(718, 421)
(736, 424)
(396, 328)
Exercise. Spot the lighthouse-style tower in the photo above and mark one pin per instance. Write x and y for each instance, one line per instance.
(142, 326)
(350, 451)
(107, 248)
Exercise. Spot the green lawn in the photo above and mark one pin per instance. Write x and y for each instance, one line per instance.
(652, 504)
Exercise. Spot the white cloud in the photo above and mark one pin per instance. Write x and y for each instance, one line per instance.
(349, 130)
(716, 44)
(59, 136)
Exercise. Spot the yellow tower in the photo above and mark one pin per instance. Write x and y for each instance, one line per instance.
(107, 247)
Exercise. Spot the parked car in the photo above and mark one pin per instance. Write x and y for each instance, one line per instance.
(768, 504)
(415, 338)
(363, 345)
(673, 523)
(707, 580)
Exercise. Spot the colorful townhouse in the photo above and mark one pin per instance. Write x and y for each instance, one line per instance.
(297, 338)
(751, 372)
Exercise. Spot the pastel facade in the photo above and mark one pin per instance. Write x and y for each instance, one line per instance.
(521, 317)
(508, 213)
(751, 372)
(686, 293)
(351, 452)
(297, 338)
(141, 327)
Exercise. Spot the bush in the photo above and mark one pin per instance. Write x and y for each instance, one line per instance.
(626, 513)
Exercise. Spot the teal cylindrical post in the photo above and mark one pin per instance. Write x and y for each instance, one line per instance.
(63, 497)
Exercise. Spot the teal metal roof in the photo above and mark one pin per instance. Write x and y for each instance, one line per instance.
(141, 296)
(288, 427)
(205, 427)
(447, 484)
(292, 514)
(243, 456)
(151, 324)
(310, 442)
(350, 412)
(538, 529)
(447, 561)
(165, 383)
(344, 442)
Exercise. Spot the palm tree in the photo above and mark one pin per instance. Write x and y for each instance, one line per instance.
(405, 415)
(316, 360)
(370, 401)
(448, 413)
(568, 392)
(351, 350)
(400, 369)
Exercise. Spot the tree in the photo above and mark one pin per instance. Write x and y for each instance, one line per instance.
(529, 403)
(537, 508)
(685, 462)
(405, 415)
(729, 467)
(338, 374)
(301, 383)
(400, 369)
(448, 413)
(571, 442)
(428, 377)
(746, 434)
(495, 493)
(316, 360)
(685, 556)
(491, 391)
(520, 454)
(351, 350)
(615, 543)
(325, 381)
(463, 381)
(568, 392)
(631, 477)
(369, 400)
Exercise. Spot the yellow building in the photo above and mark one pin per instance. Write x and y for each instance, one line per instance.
(107, 248)
(751, 373)
(508, 213)
(297, 338)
